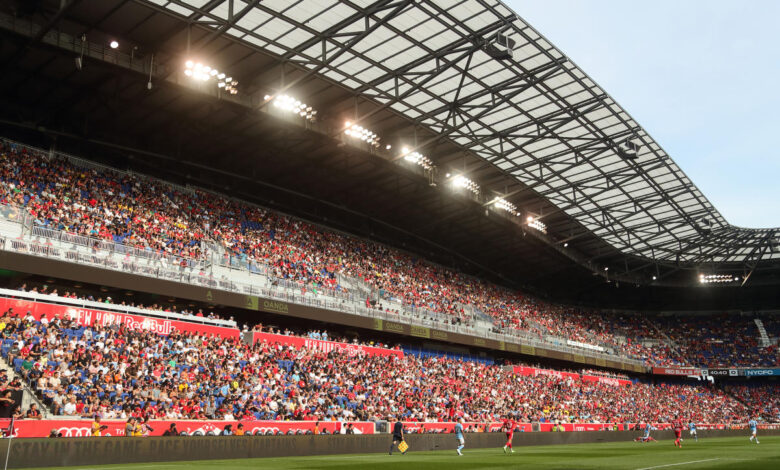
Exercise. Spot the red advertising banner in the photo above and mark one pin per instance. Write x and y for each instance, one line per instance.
(606, 380)
(90, 317)
(325, 346)
(676, 371)
(447, 428)
(82, 427)
(523, 370)
(576, 427)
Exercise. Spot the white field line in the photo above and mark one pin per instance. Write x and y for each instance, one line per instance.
(676, 464)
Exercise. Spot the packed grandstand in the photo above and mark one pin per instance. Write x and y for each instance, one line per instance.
(106, 205)
(113, 370)
(143, 294)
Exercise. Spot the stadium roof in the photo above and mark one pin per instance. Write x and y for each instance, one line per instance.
(529, 127)
(535, 114)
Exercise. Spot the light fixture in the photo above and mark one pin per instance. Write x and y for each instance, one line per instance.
(717, 278)
(292, 105)
(203, 73)
(565, 245)
(461, 181)
(197, 71)
(654, 278)
(114, 44)
(417, 158)
(536, 224)
(606, 268)
(361, 133)
(388, 147)
(502, 203)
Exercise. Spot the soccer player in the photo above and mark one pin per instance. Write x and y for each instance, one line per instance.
(459, 435)
(677, 425)
(692, 429)
(398, 435)
(753, 425)
(646, 437)
(509, 428)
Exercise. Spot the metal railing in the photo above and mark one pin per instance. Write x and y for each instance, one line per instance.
(264, 285)
(221, 270)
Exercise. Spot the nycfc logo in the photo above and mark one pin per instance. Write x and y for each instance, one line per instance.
(74, 432)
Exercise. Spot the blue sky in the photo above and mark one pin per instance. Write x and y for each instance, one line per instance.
(702, 77)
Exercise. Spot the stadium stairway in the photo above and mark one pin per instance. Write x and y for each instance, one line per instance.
(28, 396)
(763, 337)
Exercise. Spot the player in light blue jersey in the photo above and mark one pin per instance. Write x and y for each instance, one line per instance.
(692, 429)
(459, 435)
(646, 437)
(753, 425)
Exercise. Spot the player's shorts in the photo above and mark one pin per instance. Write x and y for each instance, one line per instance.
(693, 432)
(461, 440)
(677, 433)
(753, 431)
(509, 435)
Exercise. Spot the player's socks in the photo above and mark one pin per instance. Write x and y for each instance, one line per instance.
(505, 449)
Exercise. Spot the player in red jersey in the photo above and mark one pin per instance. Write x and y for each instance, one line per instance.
(677, 425)
(509, 428)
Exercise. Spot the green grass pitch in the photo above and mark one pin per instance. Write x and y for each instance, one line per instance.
(720, 453)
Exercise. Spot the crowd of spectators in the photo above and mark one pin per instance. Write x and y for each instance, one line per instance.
(762, 398)
(73, 294)
(119, 373)
(717, 341)
(155, 217)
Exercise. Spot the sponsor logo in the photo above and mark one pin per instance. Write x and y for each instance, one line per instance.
(527, 349)
(420, 331)
(394, 327)
(718, 372)
(378, 324)
(273, 306)
(733, 372)
(754, 372)
(480, 342)
(74, 432)
(251, 302)
(436, 334)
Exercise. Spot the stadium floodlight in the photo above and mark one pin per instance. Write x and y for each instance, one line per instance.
(536, 224)
(227, 83)
(717, 278)
(502, 203)
(417, 158)
(289, 104)
(461, 181)
(361, 133)
(204, 73)
(198, 71)
(114, 44)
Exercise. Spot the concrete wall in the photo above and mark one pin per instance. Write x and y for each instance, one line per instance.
(27, 453)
